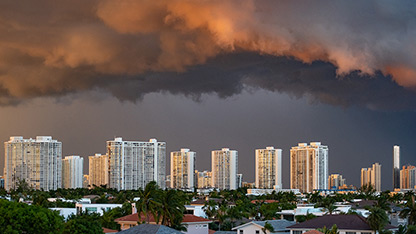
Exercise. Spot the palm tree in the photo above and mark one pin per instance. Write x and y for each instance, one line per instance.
(172, 207)
(267, 227)
(210, 208)
(409, 211)
(148, 201)
(333, 230)
(377, 219)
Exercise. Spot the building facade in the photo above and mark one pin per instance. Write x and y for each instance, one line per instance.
(224, 168)
(98, 170)
(36, 161)
(182, 169)
(268, 168)
(133, 164)
(408, 177)
(204, 179)
(372, 176)
(309, 167)
(335, 181)
(72, 172)
(396, 167)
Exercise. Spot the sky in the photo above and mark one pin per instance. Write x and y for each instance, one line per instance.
(211, 74)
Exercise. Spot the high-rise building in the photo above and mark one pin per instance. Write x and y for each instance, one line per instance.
(408, 177)
(224, 168)
(72, 172)
(396, 167)
(309, 167)
(268, 168)
(335, 181)
(204, 179)
(98, 170)
(372, 176)
(133, 164)
(86, 181)
(182, 169)
(36, 161)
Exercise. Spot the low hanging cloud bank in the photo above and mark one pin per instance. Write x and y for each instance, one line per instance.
(342, 53)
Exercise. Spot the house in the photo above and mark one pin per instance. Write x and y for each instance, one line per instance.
(194, 224)
(255, 227)
(346, 224)
(150, 229)
(97, 208)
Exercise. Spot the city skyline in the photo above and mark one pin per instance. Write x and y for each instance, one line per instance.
(314, 145)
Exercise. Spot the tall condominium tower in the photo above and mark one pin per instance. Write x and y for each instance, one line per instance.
(309, 167)
(268, 168)
(182, 169)
(335, 181)
(224, 168)
(396, 167)
(37, 161)
(72, 172)
(98, 170)
(372, 176)
(408, 177)
(133, 164)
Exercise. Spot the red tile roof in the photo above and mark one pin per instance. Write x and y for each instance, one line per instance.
(313, 232)
(187, 218)
(107, 230)
(265, 201)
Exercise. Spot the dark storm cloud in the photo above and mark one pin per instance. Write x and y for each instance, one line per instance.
(228, 75)
(348, 52)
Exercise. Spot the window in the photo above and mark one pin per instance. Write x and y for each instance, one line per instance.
(257, 232)
(365, 232)
(349, 232)
(297, 232)
(241, 232)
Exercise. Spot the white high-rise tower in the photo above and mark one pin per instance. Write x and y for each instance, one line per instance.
(72, 172)
(224, 169)
(309, 167)
(268, 168)
(182, 169)
(396, 167)
(37, 161)
(133, 164)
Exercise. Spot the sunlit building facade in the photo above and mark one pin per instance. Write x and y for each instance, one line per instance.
(133, 164)
(98, 170)
(372, 176)
(309, 167)
(72, 172)
(182, 169)
(335, 181)
(268, 168)
(224, 168)
(408, 177)
(36, 161)
(396, 167)
(204, 179)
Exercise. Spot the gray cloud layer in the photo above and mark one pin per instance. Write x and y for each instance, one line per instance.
(336, 52)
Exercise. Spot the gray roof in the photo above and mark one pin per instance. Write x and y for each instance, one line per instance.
(278, 225)
(151, 229)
